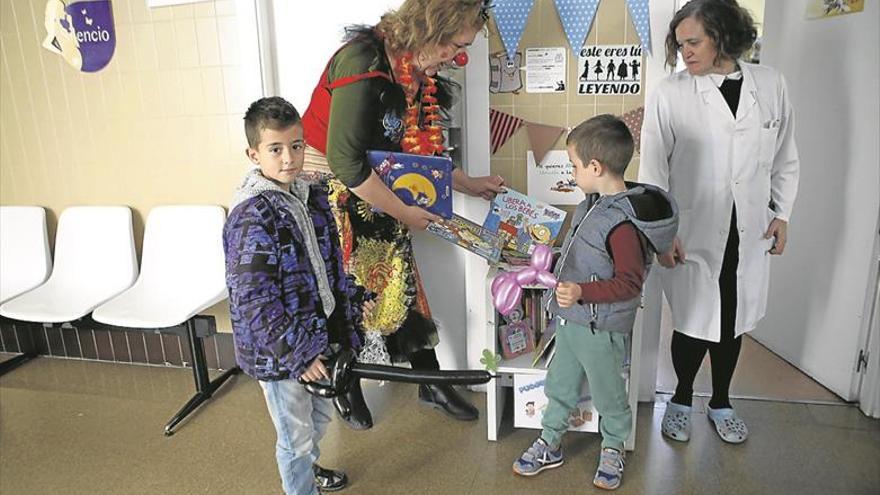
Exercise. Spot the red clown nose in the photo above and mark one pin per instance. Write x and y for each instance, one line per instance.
(460, 60)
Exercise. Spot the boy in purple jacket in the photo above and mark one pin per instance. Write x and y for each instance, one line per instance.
(290, 301)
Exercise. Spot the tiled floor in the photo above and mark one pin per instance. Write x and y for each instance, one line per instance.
(755, 364)
(77, 427)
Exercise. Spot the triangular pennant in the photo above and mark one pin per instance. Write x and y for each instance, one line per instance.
(633, 119)
(638, 10)
(542, 138)
(511, 17)
(501, 127)
(577, 18)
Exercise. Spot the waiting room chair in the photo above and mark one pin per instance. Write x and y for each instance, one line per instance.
(182, 274)
(94, 261)
(25, 260)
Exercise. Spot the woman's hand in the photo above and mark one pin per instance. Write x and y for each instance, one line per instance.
(779, 230)
(417, 218)
(567, 294)
(485, 187)
(674, 256)
(316, 371)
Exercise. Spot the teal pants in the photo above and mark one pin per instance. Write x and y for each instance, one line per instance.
(599, 356)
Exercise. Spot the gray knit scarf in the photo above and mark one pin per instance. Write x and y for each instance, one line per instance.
(295, 199)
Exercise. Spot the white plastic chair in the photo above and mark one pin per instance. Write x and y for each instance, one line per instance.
(182, 274)
(94, 261)
(25, 261)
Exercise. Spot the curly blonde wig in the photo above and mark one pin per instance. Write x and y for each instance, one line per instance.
(419, 24)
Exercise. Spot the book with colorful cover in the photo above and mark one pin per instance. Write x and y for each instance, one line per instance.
(418, 180)
(462, 232)
(526, 220)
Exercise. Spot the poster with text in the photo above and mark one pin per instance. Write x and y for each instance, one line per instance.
(551, 180)
(610, 70)
(545, 70)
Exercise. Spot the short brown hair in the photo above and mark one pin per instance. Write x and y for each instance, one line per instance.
(422, 23)
(273, 112)
(726, 23)
(604, 138)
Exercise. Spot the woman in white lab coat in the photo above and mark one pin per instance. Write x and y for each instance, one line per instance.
(719, 137)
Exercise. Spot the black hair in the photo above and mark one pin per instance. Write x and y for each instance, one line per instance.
(273, 112)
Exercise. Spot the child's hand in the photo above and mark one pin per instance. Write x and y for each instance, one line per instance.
(567, 294)
(368, 307)
(675, 256)
(316, 371)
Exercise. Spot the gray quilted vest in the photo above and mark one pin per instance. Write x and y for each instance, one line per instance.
(585, 255)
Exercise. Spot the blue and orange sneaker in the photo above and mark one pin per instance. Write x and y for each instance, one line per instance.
(610, 470)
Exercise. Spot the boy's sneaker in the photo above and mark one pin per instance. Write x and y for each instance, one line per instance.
(610, 470)
(537, 458)
(328, 480)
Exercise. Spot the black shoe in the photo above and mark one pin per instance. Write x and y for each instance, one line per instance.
(352, 408)
(328, 480)
(449, 401)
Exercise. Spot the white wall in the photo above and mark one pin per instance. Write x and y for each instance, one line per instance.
(819, 287)
(307, 33)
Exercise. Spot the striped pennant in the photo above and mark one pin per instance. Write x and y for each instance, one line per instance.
(501, 127)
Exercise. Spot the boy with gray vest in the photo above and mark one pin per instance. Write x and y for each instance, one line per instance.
(604, 261)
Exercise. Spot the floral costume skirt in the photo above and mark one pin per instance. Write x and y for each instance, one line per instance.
(377, 251)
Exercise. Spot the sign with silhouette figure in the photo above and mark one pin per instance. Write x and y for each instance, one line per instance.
(610, 70)
(545, 70)
(81, 31)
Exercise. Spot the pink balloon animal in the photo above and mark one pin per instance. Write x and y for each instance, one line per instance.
(507, 286)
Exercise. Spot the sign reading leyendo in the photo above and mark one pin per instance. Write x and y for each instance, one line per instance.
(610, 70)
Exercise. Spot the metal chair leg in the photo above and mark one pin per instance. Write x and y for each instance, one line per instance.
(205, 387)
(12, 363)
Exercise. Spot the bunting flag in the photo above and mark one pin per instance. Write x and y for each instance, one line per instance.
(542, 138)
(638, 10)
(633, 119)
(577, 18)
(501, 127)
(510, 17)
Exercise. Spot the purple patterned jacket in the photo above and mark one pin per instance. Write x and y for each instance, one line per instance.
(278, 321)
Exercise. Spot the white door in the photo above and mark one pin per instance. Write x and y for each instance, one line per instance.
(822, 287)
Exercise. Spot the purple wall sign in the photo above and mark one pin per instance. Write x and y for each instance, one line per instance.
(82, 32)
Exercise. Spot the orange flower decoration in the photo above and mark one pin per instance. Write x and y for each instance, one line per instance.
(427, 139)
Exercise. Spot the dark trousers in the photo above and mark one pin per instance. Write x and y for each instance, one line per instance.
(688, 352)
(425, 359)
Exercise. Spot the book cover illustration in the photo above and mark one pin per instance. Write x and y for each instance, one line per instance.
(418, 180)
(462, 232)
(526, 220)
(516, 337)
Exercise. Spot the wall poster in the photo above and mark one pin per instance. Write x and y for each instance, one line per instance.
(552, 181)
(545, 70)
(610, 70)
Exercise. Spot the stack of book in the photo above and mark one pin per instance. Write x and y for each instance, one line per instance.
(514, 225)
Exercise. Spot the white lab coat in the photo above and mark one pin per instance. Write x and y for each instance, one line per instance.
(693, 147)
